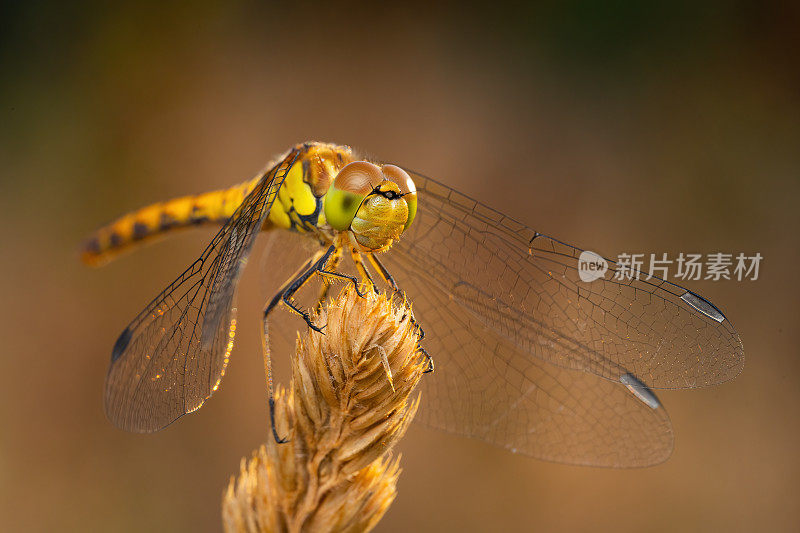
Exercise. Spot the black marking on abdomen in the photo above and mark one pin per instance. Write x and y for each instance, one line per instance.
(140, 231)
(197, 216)
(92, 246)
(167, 222)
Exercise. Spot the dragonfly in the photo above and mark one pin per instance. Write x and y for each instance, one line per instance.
(528, 356)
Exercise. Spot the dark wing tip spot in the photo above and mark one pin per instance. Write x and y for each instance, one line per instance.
(644, 393)
(121, 344)
(703, 305)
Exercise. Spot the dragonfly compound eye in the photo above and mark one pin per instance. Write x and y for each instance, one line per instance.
(345, 195)
(407, 189)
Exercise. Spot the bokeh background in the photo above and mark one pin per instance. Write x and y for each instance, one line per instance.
(620, 126)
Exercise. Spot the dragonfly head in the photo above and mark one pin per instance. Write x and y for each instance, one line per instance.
(376, 203)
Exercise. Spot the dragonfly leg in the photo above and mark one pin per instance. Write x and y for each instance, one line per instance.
(301, 280)
(428, 359)
(337, 275)
(291, 286)
(362, 268)
(333, 262)
(387, 277)
(330, 272)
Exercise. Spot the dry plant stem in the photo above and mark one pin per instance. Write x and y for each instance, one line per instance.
(348, 405)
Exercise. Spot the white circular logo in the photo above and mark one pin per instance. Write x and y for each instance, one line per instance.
(591, 266)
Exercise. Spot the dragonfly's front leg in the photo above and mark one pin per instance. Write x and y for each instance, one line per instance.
(362, 269)
(387, 277)
(337, 275)
(298, 282)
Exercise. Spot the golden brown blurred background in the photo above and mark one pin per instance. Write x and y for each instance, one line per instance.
(620, 126)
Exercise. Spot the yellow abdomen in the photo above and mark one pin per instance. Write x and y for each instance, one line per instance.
(139, 226)
(298, 206)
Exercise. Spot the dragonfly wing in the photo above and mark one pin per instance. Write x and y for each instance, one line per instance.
(171, 357)
(486, 387)
(525, 287)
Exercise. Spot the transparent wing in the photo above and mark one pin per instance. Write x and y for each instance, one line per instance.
(486, 387)
(525, 287)
(171, 357)
(531, 358)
